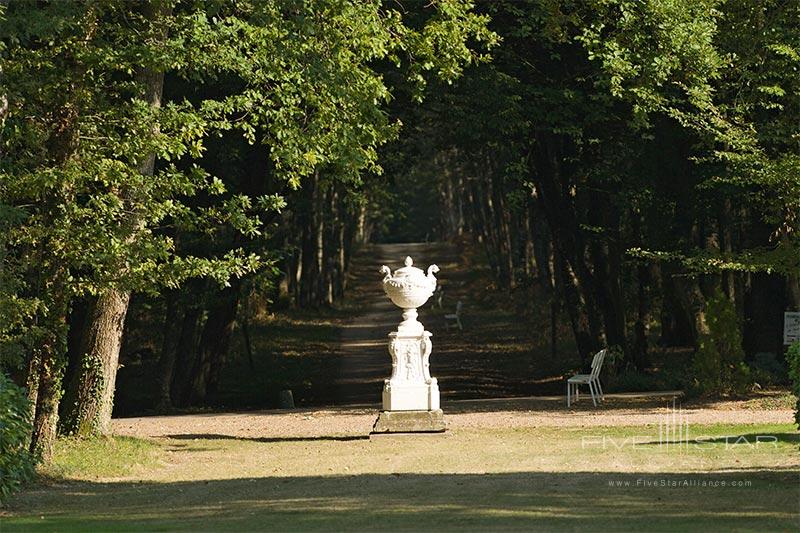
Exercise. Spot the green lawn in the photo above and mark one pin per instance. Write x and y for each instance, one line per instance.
(541, 478)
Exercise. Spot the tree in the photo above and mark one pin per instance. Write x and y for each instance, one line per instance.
(89, 394)
(99, 180)
(635, 156)
(80, 211)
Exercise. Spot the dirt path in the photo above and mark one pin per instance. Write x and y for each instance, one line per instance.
(365, 362)
(618, 410)
(497, 355)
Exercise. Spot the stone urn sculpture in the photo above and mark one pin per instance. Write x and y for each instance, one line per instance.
(410, 395)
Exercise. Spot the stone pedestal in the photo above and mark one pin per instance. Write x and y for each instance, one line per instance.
(409, 422)
(411, 387)
(410, 395)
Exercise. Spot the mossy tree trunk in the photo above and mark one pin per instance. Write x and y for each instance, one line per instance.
(47, 373)
(90, 394)
(48, 356)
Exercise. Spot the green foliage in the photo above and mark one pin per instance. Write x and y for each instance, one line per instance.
(664, 128)
(80, 213)
(793, 358)
(16, 463)
(718, 366)
(727, 72)
(631, 380)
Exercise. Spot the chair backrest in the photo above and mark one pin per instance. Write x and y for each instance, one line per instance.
(459, 305)
(597, 362)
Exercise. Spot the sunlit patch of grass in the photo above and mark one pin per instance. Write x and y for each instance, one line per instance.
(549, 479)
(101, 457)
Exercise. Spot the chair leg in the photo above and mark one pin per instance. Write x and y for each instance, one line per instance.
(568, 393)
(460, 327)
(600, 388)
(592, 393)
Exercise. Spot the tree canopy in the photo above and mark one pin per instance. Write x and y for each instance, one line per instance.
(633, 164)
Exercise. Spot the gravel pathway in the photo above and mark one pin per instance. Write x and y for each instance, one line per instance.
(619, 410)
(365, 361)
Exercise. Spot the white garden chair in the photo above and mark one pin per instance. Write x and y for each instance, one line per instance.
(454, 317)
(592, 379)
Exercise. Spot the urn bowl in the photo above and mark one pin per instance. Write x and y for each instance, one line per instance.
(409, 287)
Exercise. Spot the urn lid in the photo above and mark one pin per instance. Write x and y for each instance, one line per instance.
(409, 271)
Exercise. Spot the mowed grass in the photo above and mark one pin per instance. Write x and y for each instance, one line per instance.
(101, 457)
(735, 477)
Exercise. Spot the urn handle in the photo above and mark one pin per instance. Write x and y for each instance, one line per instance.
(433, 269)
(387, 273)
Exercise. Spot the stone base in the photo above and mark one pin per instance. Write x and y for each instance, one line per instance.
(409, 422)
(405, 396)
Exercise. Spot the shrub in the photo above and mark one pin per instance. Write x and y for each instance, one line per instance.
(633, 381)
(718, 365)
(793, 358)
(16, 463)
(768, 369)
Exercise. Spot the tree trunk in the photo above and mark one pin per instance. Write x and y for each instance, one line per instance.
(91, 394)
(48, 358)
(214, 343)
(607, 275)
(579, 283)
(642, 319)
(32, 381)
(45, 420)
(677, 322)
(77, 330)
(763, 326)
(792, 282)
(341, 251)
(49, 368)
(327, 246)
(585, 340)
(185, 354)
(693, 300)
(542, 251)
(244, 322)
(310, 227)
(166, 361)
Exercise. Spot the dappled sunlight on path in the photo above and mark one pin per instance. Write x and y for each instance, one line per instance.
(364, 359)
(492, 357)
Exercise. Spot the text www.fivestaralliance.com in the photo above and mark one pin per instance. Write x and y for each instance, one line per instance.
(679, 483)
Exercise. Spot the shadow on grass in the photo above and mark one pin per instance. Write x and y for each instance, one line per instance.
(752, 500)
(216, 436)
